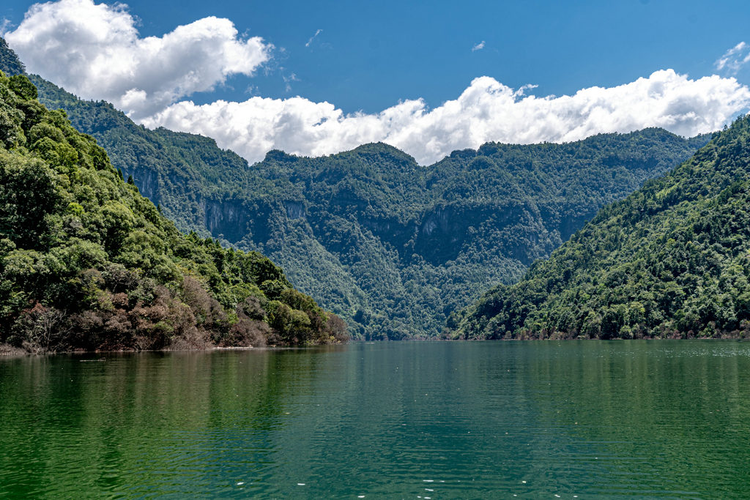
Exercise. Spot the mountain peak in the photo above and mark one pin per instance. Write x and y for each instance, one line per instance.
(387, 151)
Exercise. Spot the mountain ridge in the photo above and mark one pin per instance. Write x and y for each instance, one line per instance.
(391, 246)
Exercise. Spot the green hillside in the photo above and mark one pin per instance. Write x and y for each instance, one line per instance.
(671, 260)
(86, 262)
(410, 244)
(391, 246)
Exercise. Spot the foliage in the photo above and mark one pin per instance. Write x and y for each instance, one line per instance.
(391, 246)
(9, 62)
(671, 260)
(87, 262)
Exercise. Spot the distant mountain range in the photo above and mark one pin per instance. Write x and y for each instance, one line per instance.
(391, 246)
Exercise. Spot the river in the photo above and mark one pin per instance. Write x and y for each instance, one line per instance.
(577, 419)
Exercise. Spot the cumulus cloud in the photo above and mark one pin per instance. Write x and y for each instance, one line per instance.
(734, 58)
(95, 51)
(478, 46)
(486, 111)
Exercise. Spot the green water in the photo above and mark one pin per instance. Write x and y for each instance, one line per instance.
(400, 420)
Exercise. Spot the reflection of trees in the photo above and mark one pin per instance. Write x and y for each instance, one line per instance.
(140, 423)
(644, 416)
(586, 418)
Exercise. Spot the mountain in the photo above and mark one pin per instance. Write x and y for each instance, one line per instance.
(412, 243)
(671, 260)
(87, 262)
(391, 246)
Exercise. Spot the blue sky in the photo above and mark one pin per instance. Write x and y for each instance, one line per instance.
(369, 56)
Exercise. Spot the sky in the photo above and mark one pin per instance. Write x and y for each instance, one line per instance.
(316, 78)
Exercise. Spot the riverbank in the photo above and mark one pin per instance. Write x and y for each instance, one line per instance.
(7, 351)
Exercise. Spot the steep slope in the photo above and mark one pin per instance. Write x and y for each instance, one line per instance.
(187, 175)
(421, 241)
(86, 262)
(672, 259)
(391, 246)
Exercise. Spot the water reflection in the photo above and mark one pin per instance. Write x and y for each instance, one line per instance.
(437, 420)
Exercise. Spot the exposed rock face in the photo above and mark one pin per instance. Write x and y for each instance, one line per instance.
(147, 181)
(295, 210)
(227, 218)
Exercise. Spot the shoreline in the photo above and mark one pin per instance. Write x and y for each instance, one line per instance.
(7, 351)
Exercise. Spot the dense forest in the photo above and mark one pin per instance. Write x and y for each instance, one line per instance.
(671, 260)
(414, 242)
(391, 246)
(87, 262)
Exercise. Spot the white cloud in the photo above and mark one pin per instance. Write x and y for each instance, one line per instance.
(486, 111)
(734, 58)
(96, 52)
(5, 25)
(318, 32)
(478, 46)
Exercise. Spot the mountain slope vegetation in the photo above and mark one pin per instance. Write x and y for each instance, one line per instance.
(391, 246)
(671, 260)
(87, 262)
(419, 242)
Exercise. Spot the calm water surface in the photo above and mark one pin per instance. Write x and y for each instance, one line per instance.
(400, 420)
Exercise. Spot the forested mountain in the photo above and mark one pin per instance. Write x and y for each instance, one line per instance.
(417, 242)
(671, 260)
(86, 262)
(391, 246)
